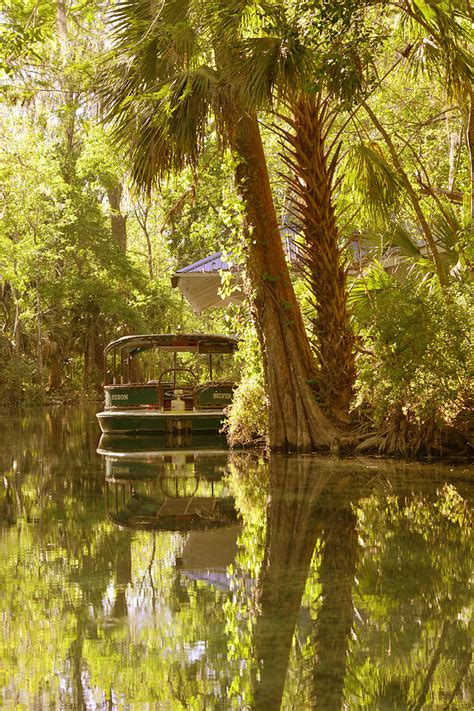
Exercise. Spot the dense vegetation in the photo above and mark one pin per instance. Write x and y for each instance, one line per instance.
(131, 147)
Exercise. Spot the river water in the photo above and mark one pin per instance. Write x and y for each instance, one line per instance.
(136, 574)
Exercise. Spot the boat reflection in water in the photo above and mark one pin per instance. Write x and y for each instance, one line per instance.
(183, 490)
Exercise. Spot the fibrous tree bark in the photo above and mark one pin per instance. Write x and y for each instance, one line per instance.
(311, 183)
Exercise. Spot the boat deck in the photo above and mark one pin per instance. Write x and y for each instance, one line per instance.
(159, 421)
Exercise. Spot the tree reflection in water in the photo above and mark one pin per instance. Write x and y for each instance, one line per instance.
(299, 513)
(292, 529)
(350, 588)
(364, 596)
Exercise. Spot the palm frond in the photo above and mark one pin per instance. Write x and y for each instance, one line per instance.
(372, 178)
(441, 33)
(270, 64)
(363, 290)
(156, 88)
(400, 236)
(191, 98)
(447, 228)
(165, 129)
(238, 18)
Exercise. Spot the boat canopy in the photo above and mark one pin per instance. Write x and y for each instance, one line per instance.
(185, 342)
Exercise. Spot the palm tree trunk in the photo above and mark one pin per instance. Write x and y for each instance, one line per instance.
(296, 421)
(311, 183)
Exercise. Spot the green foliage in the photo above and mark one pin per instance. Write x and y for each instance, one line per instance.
(99, 162)
(63, 271)
(119, 615)
(420, 545)
(420, 345)
(308, 46)
(372, 178)
(65, 285)
(247, 418)
(25, 26)
(248, 480)
(18, 381)
(247, 415)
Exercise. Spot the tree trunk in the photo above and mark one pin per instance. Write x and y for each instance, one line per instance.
(311, 182)
(39, 337)
(67, 83)
(117, 220)
(123, 575)
(61, 27)
(296, 421)
(454, 142)
(470, 145)
(86, 376)
(141, 213)
(55, 371)
(93, 353)
(76, 667)
(17, 332)
(301, 508)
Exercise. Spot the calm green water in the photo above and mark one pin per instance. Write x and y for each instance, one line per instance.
(145, 578)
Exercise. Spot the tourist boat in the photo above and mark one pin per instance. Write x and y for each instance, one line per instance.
(169, 390)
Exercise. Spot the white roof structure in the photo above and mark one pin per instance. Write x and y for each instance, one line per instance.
(200, 283)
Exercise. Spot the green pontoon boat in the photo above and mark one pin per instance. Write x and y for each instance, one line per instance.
(167, 384)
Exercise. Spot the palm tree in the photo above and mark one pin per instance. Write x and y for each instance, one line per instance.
(312, 182)
(327, 82)
(309, 59)
(173, 69)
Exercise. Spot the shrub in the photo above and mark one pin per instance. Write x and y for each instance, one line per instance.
(416, 368)
(247, 416)
(17, 382)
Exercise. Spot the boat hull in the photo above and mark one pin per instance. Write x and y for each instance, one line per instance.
(146, 422)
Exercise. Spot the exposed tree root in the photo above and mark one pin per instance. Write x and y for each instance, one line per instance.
(401, 436)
